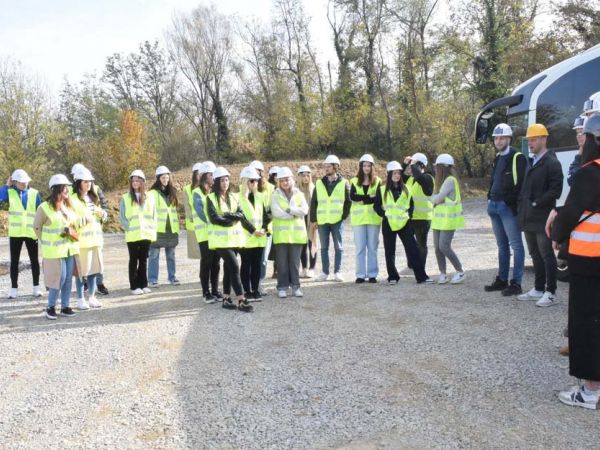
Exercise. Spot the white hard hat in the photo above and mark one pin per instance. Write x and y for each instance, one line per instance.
(593, 104)
(83, 175)
(592, 126)
(579, 122)
(303, 169)
(366, 158)
(76, 168)
(284, 172)
(161, 170)
(197, 167)
(393, 165)
(250, 173)
(58, 179)
(273, 170)
(420, 157)
(21, 176)
(445, 159)
(502, 130)
(257, 165)
(208, 167)
(332, 159)
(137, 173)
(221, 172)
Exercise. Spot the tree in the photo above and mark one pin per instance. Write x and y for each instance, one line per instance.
(580, 19)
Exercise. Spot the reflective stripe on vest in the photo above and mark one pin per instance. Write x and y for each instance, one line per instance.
(585, 237)
(142, 220)
(90, 235)
(254, 215)
(449, 215)
(20, 220)
(514, 167)
(423, 208)
(165, 212)
(361, 214)
(330, 209)
(396, 212)
(289, 231)
(54, 244)
(225, 237)
(189, 221)
(200, 227)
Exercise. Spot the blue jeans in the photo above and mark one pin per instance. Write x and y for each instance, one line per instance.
(92, 282)
(336, 230)
(366, 240)
(508, 235)
(153, 257)
(66, 277)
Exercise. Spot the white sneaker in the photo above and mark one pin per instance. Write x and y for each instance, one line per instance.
(323, 276)
(457, 278)
(578, 396)
(12, 293)
(547, 299)
(37, 292)
(442, 279)
(137, 291)
(298, 293)
(282, 293)
(146, 290)
(310, 273)
(303, 273)
(82, 304)
(94, 303)
(338, 277)
(532, 294)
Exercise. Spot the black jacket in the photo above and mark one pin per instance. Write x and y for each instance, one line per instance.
(228, 219)
(314, 202)
(541, 188)
(510, 190)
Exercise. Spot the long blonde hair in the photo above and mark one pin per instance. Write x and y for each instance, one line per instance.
(306, 188)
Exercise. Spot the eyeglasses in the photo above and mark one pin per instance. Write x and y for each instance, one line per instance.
(252, 181)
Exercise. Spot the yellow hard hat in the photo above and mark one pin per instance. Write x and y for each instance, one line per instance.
(536, 130)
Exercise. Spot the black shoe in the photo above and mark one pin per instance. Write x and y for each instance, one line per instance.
(244, 306)
(51, 313)
(218, 295)
(497, 285)
(359, 280)
(228, 304)
(372, 280)
(209, 299)
(512, 290)
(101, 289)
(393, 280)
(85, 286)
(67, 312)
(257, 296)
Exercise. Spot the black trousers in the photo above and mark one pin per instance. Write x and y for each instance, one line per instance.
(209, 269)
(306, 257)
(421, 229)
(250, 268)
(544, 261)
(231, 271)
(407, 237)
(16, 244)
(138, 264)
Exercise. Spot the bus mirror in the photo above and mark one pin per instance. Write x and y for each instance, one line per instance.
(482, 130)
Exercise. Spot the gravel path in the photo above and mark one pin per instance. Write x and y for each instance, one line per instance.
(366, 367)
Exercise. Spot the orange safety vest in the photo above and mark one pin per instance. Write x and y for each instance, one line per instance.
(585, 238)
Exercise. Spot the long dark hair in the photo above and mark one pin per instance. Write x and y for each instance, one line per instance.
(272, 179)
(55, 192)
(442, 172)
(389, 184)
(591, 149)
(142, 193)
(169, 190)
(91, 193)
(361, 174)
(203, 183)
(196, 179)
(216, 187)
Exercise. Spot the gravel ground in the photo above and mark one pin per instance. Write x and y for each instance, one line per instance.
(366, 367)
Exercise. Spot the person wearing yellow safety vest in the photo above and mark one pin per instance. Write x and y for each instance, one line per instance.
(91, 239)
(193, 252)
(420, 184)
(308, 258)
(365, 221)
(167, 226)
(137, 214)
(269, 250)
(226, 236)
(289, 208)
(508, 173)
(265, 188)
(23, 201)
(447, 217)
(394, 204)
(55, 225)
(209, 260)
(329, 207)
(578, 222)
(252, 204)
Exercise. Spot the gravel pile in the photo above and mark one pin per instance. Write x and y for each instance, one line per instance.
(374, 366)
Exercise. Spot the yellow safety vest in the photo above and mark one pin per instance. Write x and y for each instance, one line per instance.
(361, 214)
(330, 209)
(189, 221)
(225, 237)
(20, 220)
(396, 212)
(423, 209)
(254, 214)
(165, 212)
(142, 220)
(200, 227)
(90, 235)
(268, 193)
(289, 231)
(54, 244)
(449, 215)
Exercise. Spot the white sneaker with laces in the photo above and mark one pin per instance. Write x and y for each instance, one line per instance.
(547, 299)
(532, 294)
(282, 293)
(322, 276)
(579, 396)
(298, 293)
(12, 293)
(146, 290)
(442, 279)
(137, 291)
(37, 292)
(338, 277)
(94, 303)
(457, 278)
(82, 304)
